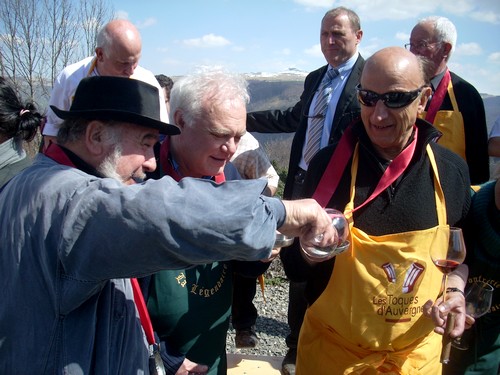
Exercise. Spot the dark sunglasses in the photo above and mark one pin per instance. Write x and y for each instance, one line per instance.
(395, 99)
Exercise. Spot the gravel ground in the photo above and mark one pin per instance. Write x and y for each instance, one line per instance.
(271, 326)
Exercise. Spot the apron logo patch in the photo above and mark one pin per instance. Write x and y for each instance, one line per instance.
(396, 307)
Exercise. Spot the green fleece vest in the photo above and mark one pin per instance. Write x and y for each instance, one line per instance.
(190, 309)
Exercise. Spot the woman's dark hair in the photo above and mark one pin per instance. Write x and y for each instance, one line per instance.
(17, 119)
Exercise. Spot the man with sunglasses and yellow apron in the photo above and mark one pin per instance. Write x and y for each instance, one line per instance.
(374, 312)
(456, 109)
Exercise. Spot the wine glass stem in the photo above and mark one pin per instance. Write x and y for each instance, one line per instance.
(442, 292)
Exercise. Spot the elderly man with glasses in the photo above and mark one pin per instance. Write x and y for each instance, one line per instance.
(456, 109)
(369, 307)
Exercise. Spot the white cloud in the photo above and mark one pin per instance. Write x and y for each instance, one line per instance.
(468, 49)
(457, 7)
(376, 10)
(316, 3)
(314, 51)
(147, 23)
(494, 57)
(485, 10)
(489, 17)
(207, 41)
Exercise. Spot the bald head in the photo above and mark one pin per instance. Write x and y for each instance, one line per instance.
(118, 49)
(392, 95)
(396, 65)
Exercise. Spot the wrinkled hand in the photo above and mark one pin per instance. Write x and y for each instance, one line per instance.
(305, 218)
(191, 368)
(438, 312)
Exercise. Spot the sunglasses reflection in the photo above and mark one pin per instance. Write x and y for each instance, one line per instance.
(393, 99)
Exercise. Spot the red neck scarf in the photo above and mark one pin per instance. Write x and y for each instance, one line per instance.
(438, 97)
(340, 158)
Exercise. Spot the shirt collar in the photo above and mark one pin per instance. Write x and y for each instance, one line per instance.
(80, 164)
(435, 80)
(346, 67)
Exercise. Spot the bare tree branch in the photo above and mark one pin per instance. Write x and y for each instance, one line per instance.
(39, 38)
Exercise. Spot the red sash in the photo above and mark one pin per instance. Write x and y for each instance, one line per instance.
(340, 158)
(57, 154)
(438, 97)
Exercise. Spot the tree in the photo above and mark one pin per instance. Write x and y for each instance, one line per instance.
(39, 38)
(22, 38)
(61, 39)
(94, 14)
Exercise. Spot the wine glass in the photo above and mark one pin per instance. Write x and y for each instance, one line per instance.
(282, 240)
(342, 244)
(478, 297)
(446, 259)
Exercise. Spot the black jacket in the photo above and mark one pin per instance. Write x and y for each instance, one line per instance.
(293, 120)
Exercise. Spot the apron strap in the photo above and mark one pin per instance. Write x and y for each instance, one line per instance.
(453, 99)
(93, 65)
(438, 189)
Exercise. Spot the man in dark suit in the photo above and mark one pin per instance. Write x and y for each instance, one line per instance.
(340, 35)
(456, 109)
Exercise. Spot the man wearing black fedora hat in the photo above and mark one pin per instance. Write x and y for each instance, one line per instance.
(76, 227)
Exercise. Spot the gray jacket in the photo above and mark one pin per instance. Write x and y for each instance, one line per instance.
(69, 242)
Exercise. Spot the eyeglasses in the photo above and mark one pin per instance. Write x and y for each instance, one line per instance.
(420, 45)
(394, 99)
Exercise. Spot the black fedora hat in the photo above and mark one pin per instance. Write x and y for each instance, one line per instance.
(119, 99)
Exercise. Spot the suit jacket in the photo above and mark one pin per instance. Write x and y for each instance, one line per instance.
(293, 119)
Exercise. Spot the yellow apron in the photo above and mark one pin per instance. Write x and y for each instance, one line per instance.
(369, 318)
(451, 124)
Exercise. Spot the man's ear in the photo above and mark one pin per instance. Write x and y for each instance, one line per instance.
(179, 119)
(94, 138)
(424, 97)
(446, 50)
(99, 53)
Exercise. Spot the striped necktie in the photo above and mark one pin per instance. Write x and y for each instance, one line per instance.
(315, 128)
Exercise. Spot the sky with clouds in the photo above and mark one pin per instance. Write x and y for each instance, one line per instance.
(249, 36)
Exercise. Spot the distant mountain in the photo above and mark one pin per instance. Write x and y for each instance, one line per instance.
(283, 90)
(286, 75)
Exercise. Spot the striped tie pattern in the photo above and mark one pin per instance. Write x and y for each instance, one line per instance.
(315, 128)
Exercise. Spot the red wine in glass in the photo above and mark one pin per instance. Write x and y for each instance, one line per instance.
(446, 266)
(446, 259)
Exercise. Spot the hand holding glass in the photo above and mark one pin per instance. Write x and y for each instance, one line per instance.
(315, 252)
(446, 260)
